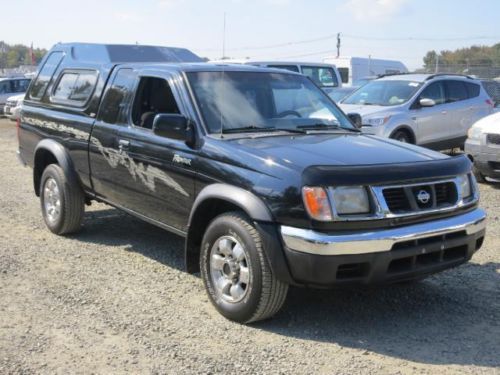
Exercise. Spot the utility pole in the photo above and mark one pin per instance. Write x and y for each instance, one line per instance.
(338, 44)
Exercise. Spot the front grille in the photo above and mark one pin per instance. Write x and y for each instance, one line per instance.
(396, 199)
(415, 198)
(493, 139)
(11, 103)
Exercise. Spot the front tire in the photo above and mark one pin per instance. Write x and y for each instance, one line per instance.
(479, 176)
(62, 201)
(402, 136)
(236, 273)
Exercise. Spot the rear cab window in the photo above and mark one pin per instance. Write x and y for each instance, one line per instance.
(323, 76)
(41, 82)
(74, 87)
(344, 74)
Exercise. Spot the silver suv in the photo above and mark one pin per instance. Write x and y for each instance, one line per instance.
(431, 110)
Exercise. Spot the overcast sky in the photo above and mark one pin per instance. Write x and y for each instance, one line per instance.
(262, 29)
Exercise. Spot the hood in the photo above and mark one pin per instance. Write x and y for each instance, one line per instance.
(489, 124)
(368, 110)
(272, 154)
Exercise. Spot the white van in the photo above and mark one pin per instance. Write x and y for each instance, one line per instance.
(354, 71)
(324, 75)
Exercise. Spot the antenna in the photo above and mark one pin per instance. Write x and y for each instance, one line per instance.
(224, 38)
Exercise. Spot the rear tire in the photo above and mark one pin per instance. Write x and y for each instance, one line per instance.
(62, 201)
(236, 273)
(402, 136)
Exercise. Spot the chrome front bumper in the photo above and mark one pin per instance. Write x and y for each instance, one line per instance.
(376, 241)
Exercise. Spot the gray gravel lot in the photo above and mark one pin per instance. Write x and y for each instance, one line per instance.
(114, 299)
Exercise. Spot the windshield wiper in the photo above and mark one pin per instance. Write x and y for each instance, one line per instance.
(321, 126)
(257, 129)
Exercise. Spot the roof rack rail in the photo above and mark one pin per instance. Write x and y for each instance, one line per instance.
(392, 74)
(448, 74)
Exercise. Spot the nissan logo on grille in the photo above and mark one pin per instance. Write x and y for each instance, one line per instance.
(423, 197)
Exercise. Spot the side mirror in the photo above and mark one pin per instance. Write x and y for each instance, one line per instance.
(425, 102)
(355, 119)
(174, 126)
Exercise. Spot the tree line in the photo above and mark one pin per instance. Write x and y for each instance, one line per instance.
(468, 57)
(14, 55)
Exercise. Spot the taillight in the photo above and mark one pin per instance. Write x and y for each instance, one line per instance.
(490, 102)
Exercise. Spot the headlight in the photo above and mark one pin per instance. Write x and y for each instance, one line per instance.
(465, 186)
(474, 133)
(317, 204)
(377, 121)
(350, 200)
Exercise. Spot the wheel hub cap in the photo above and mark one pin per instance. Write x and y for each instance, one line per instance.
(229, 269)
(52, 200)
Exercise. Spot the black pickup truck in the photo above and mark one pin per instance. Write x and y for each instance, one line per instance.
(270, 183)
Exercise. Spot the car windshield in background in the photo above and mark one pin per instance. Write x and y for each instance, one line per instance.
(322, 76)
(229, 101)
(384, 92)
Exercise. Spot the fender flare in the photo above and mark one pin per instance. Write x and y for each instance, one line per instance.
(62, 157)
(256, 209)
(247, 201)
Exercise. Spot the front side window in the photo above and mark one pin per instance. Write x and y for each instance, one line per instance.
(322, 76)
(116, 102)
(20, 85)
(455, 91)
(230, 101)
(434, 91)
(4, 87)
(384, 93)
(154, 96)
(75, 87)
(42, 81)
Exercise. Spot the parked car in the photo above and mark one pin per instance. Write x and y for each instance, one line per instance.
(356, 71)
(10, 87)
(492, 87)
(324, 75)
(431, 110)
(339, 94)
(483, 147)
(12, 108)
(268, 181)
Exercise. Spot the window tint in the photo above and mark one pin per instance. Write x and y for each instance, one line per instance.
(20, 85)
(434, 91)
(292, 68)
(75, 87)
(322, 76)
(42, 81)
(154, 96)
(65, 86)
(344, 74)
(116, 102)
(4, 87)
(455, 91)
(472, 89)
(84, 86)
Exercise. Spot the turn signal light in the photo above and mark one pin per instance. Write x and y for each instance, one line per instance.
(317, 203)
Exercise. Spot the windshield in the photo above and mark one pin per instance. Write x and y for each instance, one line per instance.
(384, 92)
(322, 76)
(238, 100)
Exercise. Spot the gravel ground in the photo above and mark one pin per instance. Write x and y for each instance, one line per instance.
(114, 299)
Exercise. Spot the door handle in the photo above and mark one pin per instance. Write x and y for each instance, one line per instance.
(444, 112)
(123, 145)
